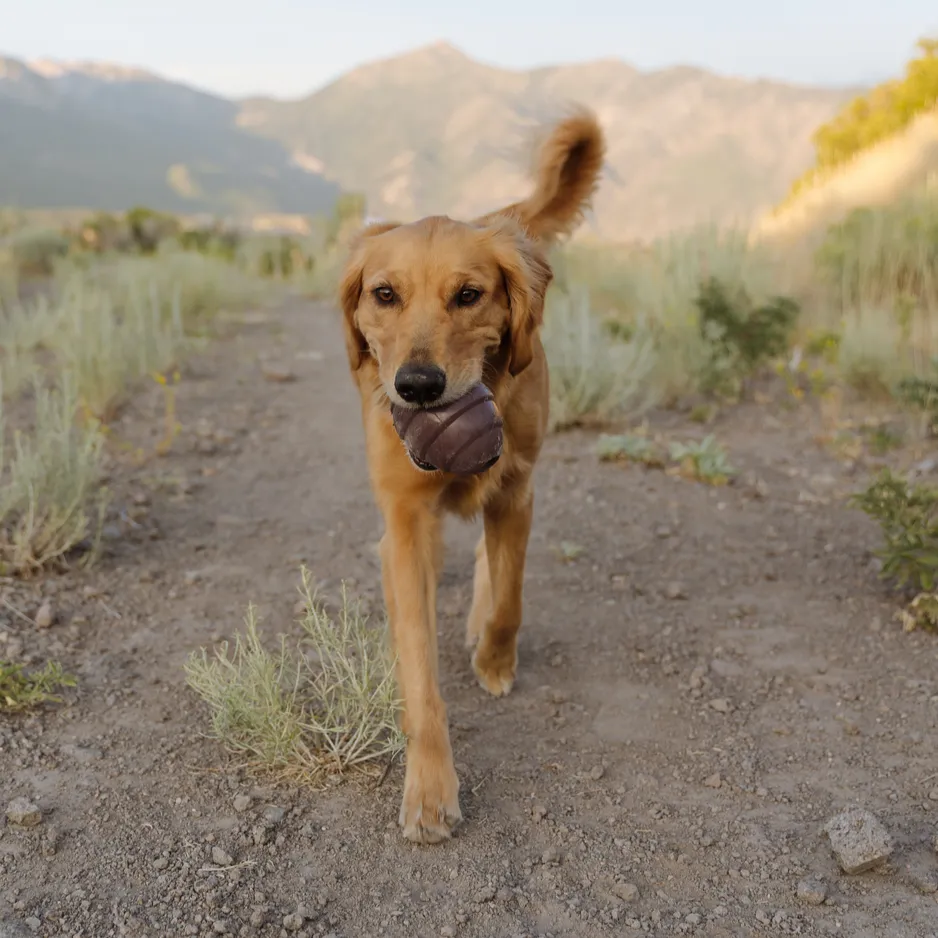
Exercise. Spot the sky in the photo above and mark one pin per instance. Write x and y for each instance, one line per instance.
(288, 48)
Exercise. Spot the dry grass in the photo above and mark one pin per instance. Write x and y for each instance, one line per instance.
(50, 498)
(325, 704)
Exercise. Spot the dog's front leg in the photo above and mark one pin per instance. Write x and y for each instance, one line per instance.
(410, 553)
(495, 617)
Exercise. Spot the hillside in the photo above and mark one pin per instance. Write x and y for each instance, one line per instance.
(434, 130)
(102, 137)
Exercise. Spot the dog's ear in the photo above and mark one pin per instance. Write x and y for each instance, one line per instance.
(350, 291)
(526, 275)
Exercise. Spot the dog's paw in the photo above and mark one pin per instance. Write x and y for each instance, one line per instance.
(495, 668)
(430, 808)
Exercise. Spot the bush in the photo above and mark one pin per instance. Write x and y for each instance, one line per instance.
(908, 518)
(325, 705)
(50, 500)
(593, 378)
(34, 251)
(741, 336)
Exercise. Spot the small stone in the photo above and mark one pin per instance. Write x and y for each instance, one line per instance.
(33, 923)
(274, 814)
(692, 918)
(220, 926)
(242, 803)
(45, 616)
(933, 795)
(258, 917)
(160, 863)
(811, 891)
(924, 880)
(23, 813)
(720, 704)
(448, 931)
(485, 894)
(675, 590)
(221, 857)
(597, 772)
(713, 781)
(550, 855)
(293, 921)
(627, 892)
(539, 812)
(859, 840)
(278, 374)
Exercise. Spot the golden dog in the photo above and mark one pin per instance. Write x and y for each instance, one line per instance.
(430, 309)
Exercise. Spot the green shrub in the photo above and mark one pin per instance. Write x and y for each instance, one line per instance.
(908, 518)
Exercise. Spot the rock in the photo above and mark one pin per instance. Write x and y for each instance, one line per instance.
(33, 923)
(293, 921)
(675, 590)
(924, 879)
(933, 795)
(485, 894)
(242, 803)
(859, 840)
(160, 863)
(720, 704)
(597, 772)
(23, 813)
(221, 857)
(693, 918)
(278, 374)
(627, 892)
(811, 891)
(448, 931)
(45, 616)
(550, 855)
(713, 781)
(274, 814)
(220, 926)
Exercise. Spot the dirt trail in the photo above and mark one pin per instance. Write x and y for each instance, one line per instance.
(711, 676)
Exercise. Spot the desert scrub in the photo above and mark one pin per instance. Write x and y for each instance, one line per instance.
(51, 501)
(705, 461)
(109, 348)
(631, 447)
(21, 690)
(593, 376)
(741, 335)
(908, 518)
(322, 705)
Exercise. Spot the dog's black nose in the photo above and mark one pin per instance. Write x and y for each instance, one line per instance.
(420, 384)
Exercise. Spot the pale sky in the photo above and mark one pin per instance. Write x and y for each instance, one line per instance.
(288, 47)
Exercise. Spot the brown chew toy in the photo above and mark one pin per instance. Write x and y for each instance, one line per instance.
(463, 437)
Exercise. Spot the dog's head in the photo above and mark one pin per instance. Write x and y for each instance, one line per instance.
(432, 301)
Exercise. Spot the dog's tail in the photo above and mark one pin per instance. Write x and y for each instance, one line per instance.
(566, 173)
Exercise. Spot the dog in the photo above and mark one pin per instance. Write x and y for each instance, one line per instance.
(429, 309)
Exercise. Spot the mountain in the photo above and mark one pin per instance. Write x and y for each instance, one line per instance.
(434, 131)
(106, 137)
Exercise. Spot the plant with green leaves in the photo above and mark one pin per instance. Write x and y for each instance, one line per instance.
(742, 336)
(631, 447)
(21, 690)
(908, 518)
(705, 461)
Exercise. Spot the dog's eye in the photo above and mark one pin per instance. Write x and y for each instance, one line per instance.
(384, 295)
(468, 296)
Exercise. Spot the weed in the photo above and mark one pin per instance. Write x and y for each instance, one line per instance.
(908, 518)
(328, 704)
(633, 447)
(705, 461)
(20, 691)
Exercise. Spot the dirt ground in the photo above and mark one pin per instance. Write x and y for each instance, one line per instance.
(702, 684)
